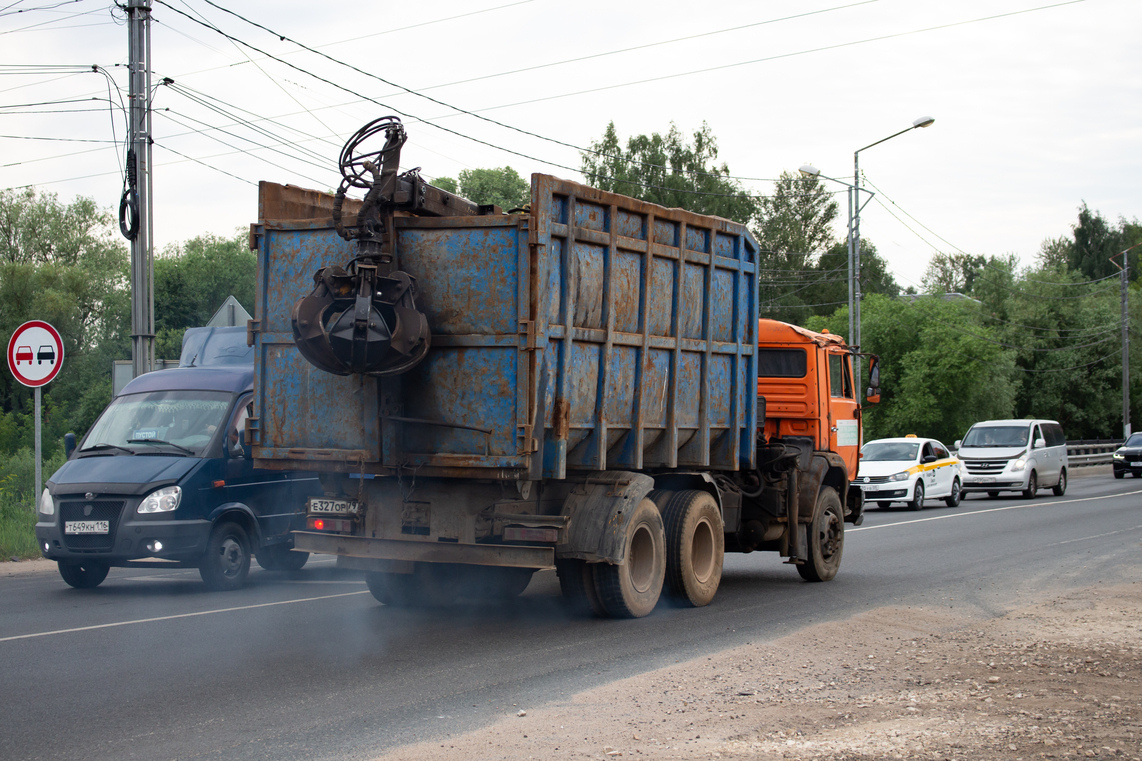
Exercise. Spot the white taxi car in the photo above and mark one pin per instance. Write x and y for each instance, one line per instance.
(908, 469)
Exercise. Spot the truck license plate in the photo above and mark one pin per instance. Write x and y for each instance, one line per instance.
(333, 506)
(86, 527)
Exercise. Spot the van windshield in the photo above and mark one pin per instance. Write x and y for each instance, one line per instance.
(182, 421)
(997, 436)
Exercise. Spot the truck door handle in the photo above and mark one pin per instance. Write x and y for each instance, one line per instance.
(833, 429)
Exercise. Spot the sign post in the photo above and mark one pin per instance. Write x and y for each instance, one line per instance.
(35, 355)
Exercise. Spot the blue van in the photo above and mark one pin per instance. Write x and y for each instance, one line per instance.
(163, 478)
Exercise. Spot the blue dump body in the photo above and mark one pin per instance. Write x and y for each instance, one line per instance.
(595, 332)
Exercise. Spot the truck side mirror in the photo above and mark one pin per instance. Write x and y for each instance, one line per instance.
(68, 444)
(872, 396)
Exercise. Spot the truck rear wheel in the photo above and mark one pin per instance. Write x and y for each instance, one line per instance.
(227, 561)
(631, 589)
(396, 589)
(577, 583)
(84, 575)
(826, 538)
(695, 547)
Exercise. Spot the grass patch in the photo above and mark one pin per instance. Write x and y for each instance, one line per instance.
(18, 503)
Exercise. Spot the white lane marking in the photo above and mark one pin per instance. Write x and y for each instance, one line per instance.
(992, 510)
(179, 615)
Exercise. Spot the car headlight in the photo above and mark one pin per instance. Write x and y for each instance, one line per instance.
(1119, 455)
(161, 500)
(47, 504)
(1019, 464)
(902, 476)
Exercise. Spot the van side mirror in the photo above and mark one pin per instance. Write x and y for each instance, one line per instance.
(68, 444)
(1040, 443)
(872, 396)
(958, 444)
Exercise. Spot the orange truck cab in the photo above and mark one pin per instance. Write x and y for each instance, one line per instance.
(810, 404)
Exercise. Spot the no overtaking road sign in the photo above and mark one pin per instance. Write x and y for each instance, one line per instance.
(35, 353)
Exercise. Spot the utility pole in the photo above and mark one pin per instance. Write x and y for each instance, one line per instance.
(1124, 270)
(135, 218)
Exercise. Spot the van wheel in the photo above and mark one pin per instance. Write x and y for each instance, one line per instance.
(1032, 486)
(280, 557)
(826, 538)
(227, 561)
(953, 499)
(631, 589)
(1061, 488)
(695, 547)
(917, 502)
(84, 575)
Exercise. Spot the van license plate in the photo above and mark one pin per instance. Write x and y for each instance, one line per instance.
(333, 506)
(86, 527)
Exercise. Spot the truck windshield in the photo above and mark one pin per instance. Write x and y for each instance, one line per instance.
(889, 451)
(186, 419)
(997, 436)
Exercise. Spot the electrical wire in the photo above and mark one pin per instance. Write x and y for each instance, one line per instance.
(203, 163)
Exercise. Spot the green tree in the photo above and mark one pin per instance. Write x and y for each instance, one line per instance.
(65, 264)
(193, 279)
(670, 171)
(501, 187)
(795, 223)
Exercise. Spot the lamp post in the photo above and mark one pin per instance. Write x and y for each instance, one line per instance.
(854, 232)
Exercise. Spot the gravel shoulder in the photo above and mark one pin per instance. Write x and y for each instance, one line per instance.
(1061, 678)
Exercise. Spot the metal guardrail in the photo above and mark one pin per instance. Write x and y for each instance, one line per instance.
(1091, 451)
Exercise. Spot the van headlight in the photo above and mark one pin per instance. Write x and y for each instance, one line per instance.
(162, 500)
(47, 504)
(1018, 464)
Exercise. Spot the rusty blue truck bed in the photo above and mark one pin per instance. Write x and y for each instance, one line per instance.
(594, 332)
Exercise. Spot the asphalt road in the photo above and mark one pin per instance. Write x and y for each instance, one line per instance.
(152, 666)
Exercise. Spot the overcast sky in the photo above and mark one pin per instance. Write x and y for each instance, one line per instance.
(1038, 105)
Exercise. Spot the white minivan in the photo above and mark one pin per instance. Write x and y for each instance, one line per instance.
(1014, 455)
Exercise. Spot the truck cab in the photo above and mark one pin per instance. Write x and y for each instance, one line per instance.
(163, 478)
(806, 379)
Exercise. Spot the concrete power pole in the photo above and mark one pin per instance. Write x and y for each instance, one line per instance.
(135, 219)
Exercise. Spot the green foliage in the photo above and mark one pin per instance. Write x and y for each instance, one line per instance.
(824, 287)
(447, 183)
(795, 223)
(501, 187)
(18, 502)
(193, 279)
(669, 171)
(1092, 244)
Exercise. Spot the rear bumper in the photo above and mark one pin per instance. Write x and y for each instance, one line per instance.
(342, 545)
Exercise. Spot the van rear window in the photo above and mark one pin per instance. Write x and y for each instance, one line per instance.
(782, 363)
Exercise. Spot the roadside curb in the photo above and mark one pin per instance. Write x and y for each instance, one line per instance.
(21, 567)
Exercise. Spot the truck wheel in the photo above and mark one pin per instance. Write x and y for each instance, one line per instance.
(396, 589)
(826, 538)
(695, 547)
(953, 499)
(83, 575)
(577, 583)
(227, 561)
(631, 589)
(1032, 486)
(280, 557)
(917, 502)
(1060, 488)
(494, 583)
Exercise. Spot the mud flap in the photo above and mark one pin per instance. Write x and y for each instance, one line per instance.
(598, 510)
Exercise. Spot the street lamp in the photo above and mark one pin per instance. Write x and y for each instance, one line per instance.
(854, 232)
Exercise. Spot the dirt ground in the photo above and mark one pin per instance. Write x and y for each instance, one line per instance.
(1061, 679)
